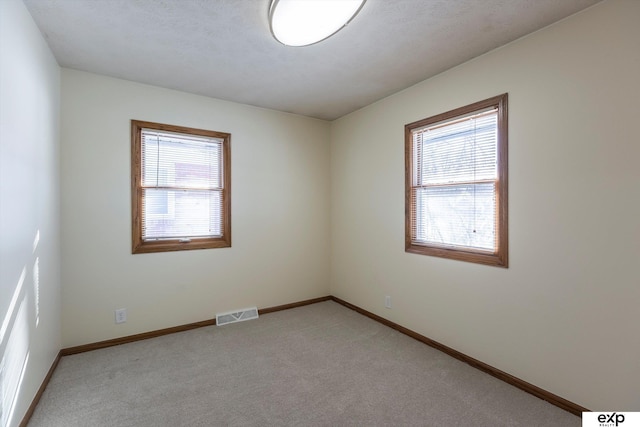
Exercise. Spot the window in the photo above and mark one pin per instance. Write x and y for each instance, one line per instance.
(456, 184)
(181, 197)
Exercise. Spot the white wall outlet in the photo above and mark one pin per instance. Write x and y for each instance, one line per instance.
(121, 315)
(387, 301)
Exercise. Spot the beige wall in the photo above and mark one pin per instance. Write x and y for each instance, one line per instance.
(565, 314)
(280, 212)
(29, 210)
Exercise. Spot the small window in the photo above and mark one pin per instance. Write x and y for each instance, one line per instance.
(181, 197)
(456, 184)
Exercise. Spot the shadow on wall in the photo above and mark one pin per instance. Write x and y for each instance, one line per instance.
(22, 315)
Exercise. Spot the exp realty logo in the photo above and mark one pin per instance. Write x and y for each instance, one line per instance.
(611, 419)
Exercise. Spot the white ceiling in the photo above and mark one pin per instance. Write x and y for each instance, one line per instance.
(224, 49)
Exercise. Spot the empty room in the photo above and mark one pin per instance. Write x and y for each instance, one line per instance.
(417, 212)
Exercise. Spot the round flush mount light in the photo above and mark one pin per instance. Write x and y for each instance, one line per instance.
(305, 22)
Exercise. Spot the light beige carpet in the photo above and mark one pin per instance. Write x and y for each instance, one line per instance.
(319, 365)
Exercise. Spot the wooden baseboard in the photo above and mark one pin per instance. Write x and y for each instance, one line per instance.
(294, 305)
(43, 386)
(152, 334)
(133, 338)
(495, 372)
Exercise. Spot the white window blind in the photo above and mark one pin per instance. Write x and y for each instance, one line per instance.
(182, 185)
(454, 182)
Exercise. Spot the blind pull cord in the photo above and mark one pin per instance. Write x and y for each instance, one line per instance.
(158, 160)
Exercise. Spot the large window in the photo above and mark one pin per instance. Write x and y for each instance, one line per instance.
(181, 189)
(456, 184)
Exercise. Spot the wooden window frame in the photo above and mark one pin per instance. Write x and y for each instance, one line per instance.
(500, 257)
(139, 245)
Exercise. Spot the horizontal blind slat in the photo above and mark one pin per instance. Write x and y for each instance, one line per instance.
(459, 215)
(179, 161)
(454, 178)
(177, 214)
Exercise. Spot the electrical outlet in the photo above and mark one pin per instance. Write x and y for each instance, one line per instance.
(121, 315)
(387, 301)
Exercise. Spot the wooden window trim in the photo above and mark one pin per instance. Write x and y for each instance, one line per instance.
(500, 257)
(141, 246)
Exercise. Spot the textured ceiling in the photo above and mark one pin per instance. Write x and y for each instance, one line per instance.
(224, 49)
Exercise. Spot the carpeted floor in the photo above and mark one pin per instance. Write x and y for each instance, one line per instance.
(318, 365)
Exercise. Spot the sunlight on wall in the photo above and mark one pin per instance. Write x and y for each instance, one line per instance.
(15, 334)
(14, 340)
(36, 279)
(36, 289)
(13, 364)
(12, 306)
(36, 240)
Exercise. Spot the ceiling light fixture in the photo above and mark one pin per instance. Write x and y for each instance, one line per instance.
(305, 22)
